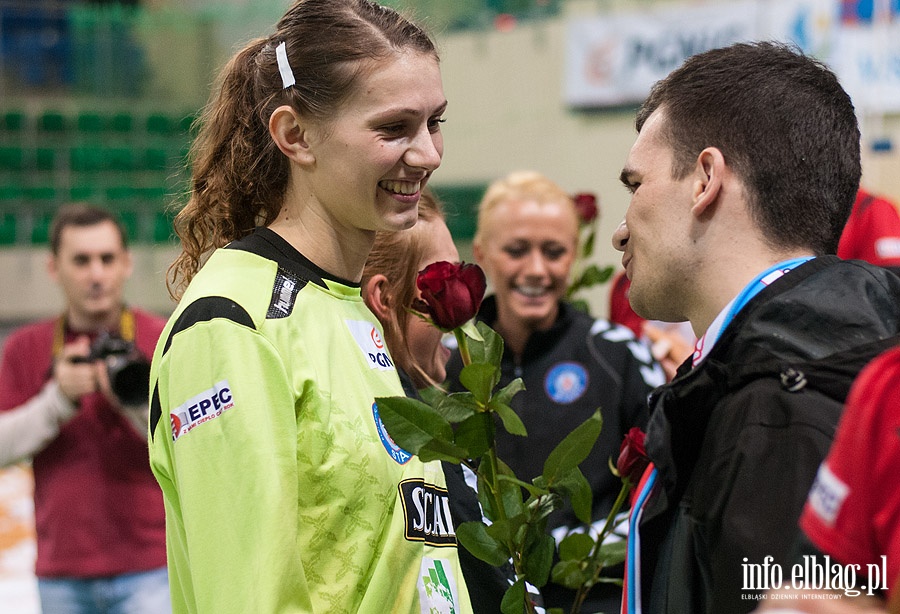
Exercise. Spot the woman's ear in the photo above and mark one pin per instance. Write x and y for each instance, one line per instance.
(376, 296)
(290, 132)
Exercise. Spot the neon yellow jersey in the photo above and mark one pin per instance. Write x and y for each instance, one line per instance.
(283, 491)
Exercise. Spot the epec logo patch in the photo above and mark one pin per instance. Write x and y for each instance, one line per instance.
(201, 408)
(369, 341)
(426, 510)
(284, 295)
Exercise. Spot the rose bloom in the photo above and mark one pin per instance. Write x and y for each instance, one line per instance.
(452, 291)
(586, 205)
(633, 459)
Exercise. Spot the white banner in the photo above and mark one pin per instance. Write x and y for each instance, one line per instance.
(615, 59)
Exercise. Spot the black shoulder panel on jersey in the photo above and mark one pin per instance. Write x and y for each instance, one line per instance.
(202, 310)
(206, 309)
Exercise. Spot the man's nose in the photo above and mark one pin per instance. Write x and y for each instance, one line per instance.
(620, 237)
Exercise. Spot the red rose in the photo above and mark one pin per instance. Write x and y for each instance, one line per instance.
(453, 292)
(586, 206)
(633, 457)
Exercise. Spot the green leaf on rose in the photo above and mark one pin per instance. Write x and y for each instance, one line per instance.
(575, 486)
(457, 406)
(490, 351)
(575, 546)
(511, 421)
(480, 379)
(471, 331)
(539, 560)
(475, 434)
(411, 423)
(442, 450)
(613, 552)
(570, 574)
(593, 275)
(474, 538)
(506, 394)
(531, 488)
(572, 450)
(514, 598)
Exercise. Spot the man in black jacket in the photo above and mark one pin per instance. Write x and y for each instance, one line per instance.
(742, 177)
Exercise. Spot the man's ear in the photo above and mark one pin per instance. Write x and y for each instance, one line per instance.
(52, 269)
(709, 173)
(291, 133)
(377, 297)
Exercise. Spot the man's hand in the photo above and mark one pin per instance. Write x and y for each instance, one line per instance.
(75, 379)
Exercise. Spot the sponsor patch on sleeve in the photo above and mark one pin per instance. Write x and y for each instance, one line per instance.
(827, 495)
(371, 344)
(438, 592)
(206, 406)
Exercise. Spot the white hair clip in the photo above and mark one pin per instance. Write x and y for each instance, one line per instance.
(284, 67)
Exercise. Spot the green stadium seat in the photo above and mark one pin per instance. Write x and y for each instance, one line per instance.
(155, 159)
(7, 228)
(12, 158)
(121, 122)
(160, 123)
(12, 121)
(52, 121)
(40, 228)
(86, 159)
(90, 122)
(82, 193)
(163, 227)
(119, 159)
(120, 193)
(44, 159)
(40, 194)
(10, 193)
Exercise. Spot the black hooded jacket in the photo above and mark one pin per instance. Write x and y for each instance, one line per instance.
(738, 439)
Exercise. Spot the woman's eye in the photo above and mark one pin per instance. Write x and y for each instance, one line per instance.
(434, 124)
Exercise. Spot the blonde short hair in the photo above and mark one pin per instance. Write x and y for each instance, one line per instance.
(520, 185)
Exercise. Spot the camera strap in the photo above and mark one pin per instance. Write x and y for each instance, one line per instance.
(126, 330)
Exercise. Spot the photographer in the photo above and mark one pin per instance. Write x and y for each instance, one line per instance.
(73, 398)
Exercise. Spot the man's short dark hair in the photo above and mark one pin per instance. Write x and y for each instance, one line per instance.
(80, 214)
(783, 123)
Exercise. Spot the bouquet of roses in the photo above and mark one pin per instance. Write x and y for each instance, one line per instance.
(460, 427)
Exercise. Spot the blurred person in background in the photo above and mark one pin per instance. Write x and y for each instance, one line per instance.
(571, 363)
(872, 232)
(283, 493)
(389, 289)
(73, 399)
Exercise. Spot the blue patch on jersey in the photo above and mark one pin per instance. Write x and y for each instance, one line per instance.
(566, 382)
(397, 453)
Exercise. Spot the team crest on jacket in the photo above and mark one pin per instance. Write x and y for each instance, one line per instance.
(566, 382)
(397, 453)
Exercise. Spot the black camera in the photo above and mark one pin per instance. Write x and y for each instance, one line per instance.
(128, 370)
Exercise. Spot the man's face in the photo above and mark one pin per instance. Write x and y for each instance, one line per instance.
(91, 268)
(655, 235)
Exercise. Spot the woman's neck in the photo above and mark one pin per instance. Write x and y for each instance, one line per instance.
(341, 251)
